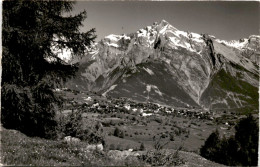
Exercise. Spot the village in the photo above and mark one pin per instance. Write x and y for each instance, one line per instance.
(139, 122)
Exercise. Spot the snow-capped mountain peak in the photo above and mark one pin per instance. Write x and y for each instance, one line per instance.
(181, 65)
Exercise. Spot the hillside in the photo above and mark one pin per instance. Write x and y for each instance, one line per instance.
(19, 150)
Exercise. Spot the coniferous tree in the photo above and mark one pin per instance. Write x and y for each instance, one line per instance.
(241, 149)
(142, 148)
(210, 149)
(30, 68)
(247, 135)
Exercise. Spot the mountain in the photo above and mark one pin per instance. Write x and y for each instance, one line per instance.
(162, 64)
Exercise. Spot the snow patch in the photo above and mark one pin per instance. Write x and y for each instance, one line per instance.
(163, 30)
(156, 89)
(234, 43)
(111, 88)
(148, 71)
(126, 37)
(113, 37)
(177, 42)
(142, 33)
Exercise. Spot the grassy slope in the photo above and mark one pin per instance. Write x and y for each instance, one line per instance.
(135, 86)
(223, 82)
(18, 149)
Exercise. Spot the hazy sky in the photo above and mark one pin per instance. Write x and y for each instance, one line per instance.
(225, 20)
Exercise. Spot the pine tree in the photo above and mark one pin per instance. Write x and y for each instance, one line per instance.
(247, 136)
(30, 69)
(142, 148)
(210, 149)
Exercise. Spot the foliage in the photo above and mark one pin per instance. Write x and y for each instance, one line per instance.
(160, 157)
(241, 149)
(119, 133)
(247, 137)
(157, 143)
(73, 125)
(142, 148)
(112, 147)
(70, 125)
(211, 147)
(31, 30)
(172, 137)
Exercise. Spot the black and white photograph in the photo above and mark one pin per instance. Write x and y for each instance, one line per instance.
(129, 83)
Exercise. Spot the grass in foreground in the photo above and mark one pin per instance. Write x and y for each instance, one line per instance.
(18, 149)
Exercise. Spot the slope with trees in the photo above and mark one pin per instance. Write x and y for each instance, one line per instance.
(241, 149)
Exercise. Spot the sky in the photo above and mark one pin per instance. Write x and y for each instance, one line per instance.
(230, 20)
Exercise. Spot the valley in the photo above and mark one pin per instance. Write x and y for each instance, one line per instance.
(140, 122)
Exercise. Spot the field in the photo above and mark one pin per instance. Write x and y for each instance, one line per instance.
(187, 128)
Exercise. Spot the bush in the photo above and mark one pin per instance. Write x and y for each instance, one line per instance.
(158, 120)
(118, 133)
(112, 147)
(241, 149)
(142, 148)
(72, 125)
(172, 137)
(162, 158)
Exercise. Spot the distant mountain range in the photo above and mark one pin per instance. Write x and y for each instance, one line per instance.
(162, 64)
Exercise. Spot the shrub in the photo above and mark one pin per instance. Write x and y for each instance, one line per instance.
(118, 133)
(112, 147)
(72, 125)
(119, 147)
(159, 120)
(172, 137)
(142, 148)
(162, 158)
(163, 135)
(127, 147)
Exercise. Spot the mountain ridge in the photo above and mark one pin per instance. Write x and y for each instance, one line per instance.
(191, 60)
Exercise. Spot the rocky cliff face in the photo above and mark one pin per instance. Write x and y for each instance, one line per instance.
(162, 64)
